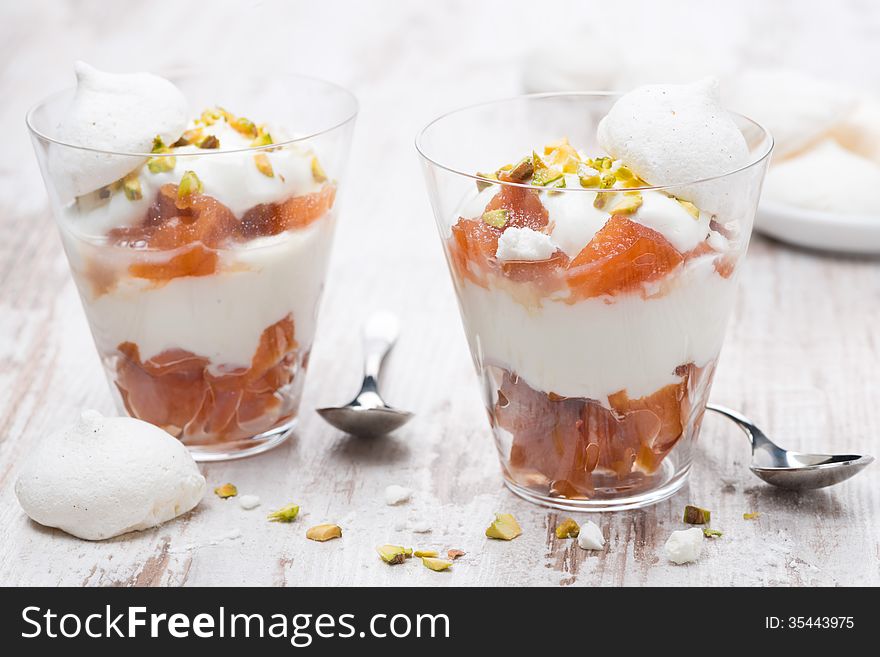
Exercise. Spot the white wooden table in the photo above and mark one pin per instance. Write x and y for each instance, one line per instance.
(802, 356)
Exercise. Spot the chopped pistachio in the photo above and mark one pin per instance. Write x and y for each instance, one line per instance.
(602, 199)
(189, 185)
(132, 187)
(600, 163)
(161, 164)
(191, 136)
(556, 145)
(628, 203)
(497, 218)
(436, 564)
(482, 184)
(318, 173)
(426, 553)
(545, 176)
(225, 491)
(505, 527)
(751, 516)
(244, 126)
(392, 554)
(324, 532)
(455, 554)
(711, 533)
(210, 141)
(568, 528)
(408, 552)
(158, 145)
(692, 209)
(284, 514)
(521, 172)
(694, 515)
(590, 181)
(262, 139)
(211, 116)
(264, 165)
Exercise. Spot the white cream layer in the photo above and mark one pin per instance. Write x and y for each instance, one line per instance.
(600, 346)
(231, 178)
(220, 317)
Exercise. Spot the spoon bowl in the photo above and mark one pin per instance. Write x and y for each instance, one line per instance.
(789, 469)
(368, 414)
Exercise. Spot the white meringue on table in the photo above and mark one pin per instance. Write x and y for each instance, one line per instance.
(105, 476)
(121, 113)
(828, 178)
(676, 133)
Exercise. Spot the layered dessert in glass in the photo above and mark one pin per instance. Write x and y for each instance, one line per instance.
(198, 237)
(595, 277)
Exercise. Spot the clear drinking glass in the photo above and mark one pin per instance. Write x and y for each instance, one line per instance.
(202, 292)
(595, 366)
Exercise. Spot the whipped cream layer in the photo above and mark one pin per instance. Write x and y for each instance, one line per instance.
(596, 347)
(221, 316)
(231, 178)
(574, 220)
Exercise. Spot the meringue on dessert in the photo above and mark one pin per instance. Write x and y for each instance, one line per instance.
(595, 299)
(199, 243)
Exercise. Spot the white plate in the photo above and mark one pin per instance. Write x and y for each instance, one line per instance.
(814, 229)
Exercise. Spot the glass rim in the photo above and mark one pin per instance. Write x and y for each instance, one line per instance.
(349, 117)
(419, 144)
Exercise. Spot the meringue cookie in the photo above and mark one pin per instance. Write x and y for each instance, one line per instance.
(684, 546)
(859, 131)
(590, 536)
(113, 112)
(675, 133)
(807, 181)
(105, 476)
(796, 108)
(395, 494)
(524, 244)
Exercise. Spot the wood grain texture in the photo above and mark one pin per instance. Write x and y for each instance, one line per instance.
(802, 354)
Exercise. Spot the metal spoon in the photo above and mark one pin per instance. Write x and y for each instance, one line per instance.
(368, 414)
(793, 470)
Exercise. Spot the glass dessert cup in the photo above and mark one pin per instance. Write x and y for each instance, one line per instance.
(596, 361)
(201, 269)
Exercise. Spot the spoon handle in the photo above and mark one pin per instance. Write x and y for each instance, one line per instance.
(756, 436)
(379, 334)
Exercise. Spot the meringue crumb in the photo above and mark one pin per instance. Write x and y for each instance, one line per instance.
(684, 546)
(590, 536)
(248, 502)
(395, 495)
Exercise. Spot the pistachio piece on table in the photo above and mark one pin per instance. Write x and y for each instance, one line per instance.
(284, 514)
(392, 554)
(435, 564)
(568, 528)
(226, 491)
(694, 515)
(324, 532)
(504, 527)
